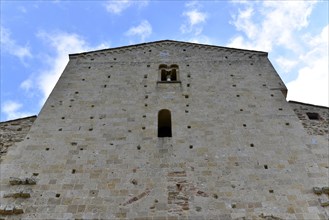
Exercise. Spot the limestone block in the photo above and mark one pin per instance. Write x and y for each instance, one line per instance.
(22, 181)
(24, 193)
(10, 209)
(317, 190)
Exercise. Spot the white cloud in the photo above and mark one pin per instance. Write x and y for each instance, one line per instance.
(10, 46)
(26, 85)
(143, 30)
(311, 85)
(201, 39)
(280, 27)
(118, 6)
(11, 109)
(195, 19)
(286, 64)
(270, 23)
(63, 44)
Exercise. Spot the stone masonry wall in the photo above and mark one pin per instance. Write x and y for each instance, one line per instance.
(237, 151)
(316, 126)
(13, 131)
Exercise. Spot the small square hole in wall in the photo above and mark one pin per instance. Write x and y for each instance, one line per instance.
(58, 195)
(148, 65)
(271, 191)
(73, 171)
(313, 115)
(145, 76)
(265, 167)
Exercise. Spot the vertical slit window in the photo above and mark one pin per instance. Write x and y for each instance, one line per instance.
(164, 123)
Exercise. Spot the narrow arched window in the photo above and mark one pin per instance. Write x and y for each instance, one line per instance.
(164, 123)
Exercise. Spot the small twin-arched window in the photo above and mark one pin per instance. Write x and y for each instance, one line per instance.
(168, 73)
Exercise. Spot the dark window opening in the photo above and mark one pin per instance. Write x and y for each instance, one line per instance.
(164, 123)
(313, 115)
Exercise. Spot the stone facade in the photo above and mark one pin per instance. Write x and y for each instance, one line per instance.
(13, 131)
(236, 149)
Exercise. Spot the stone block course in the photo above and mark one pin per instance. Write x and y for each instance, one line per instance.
(97, 153)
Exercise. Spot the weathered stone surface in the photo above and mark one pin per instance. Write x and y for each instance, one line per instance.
(237, 148)
(13, 131)
(319, 125)
(22, 181)
(10, 209)
(23, 193)
(317, 190)
(325, 189)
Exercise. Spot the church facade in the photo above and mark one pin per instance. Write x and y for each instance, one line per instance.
(169, 130)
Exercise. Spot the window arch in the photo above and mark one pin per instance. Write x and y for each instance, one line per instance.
(164, 123)
(168, 73)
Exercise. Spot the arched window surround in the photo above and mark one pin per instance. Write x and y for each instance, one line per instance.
(168, 73)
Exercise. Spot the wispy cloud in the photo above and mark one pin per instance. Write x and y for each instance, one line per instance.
(311, 84)
(286, 64)
(62, 44)
(194, 19)
(12, 110)
(118, 6)
(269, 23)
(281, 26)
(9, 45)
(143, 30)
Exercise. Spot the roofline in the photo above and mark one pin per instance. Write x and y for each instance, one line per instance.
(302, 103)
(160, 41)
(18, 119)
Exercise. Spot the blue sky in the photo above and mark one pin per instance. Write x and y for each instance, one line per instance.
(37, 36)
